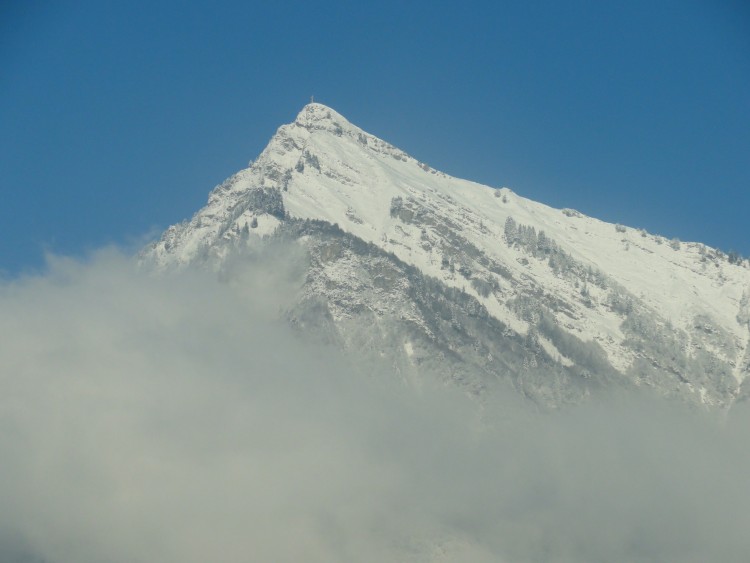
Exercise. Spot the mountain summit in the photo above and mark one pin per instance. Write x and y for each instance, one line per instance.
(318, 116)
(447, 278)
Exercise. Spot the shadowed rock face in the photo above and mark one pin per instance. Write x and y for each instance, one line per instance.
(449, 279)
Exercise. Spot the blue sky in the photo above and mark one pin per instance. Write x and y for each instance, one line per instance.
(117, 118)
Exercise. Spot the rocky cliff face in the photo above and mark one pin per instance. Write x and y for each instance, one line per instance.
(441, 277)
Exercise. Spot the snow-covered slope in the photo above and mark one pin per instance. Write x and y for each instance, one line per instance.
(587, 300)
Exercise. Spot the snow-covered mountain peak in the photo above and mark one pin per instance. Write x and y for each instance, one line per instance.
(599, 297)
(318, 116)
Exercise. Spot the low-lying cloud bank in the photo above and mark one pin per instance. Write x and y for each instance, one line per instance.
(174, 419)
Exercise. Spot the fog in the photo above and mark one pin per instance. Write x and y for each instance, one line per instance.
(175, 419)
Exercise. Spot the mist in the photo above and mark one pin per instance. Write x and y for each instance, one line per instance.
(175, 418)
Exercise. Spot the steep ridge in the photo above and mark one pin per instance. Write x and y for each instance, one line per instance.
(475, 284)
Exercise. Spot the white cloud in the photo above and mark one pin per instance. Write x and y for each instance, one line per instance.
(174, 419)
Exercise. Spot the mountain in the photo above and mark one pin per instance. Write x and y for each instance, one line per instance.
(443, 277)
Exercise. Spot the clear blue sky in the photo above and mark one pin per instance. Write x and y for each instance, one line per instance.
(117, 118)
